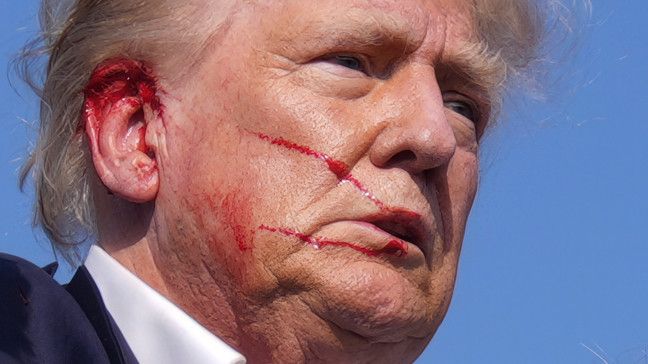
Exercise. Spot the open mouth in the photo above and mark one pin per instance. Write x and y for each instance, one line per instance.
(395, 229)
(403, 227)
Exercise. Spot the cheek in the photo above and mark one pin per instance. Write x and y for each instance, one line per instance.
(210, 197)
(228, 222)
(226, 225)
(236, 219)
(228, 192)
(463, 178)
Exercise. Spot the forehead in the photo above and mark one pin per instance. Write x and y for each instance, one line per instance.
(413, 20)
(433, 32)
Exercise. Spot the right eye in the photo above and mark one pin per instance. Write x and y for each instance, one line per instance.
(343, 65)
(350, 62)
(464, 109)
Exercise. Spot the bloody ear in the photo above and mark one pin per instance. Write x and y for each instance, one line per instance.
(120, 101)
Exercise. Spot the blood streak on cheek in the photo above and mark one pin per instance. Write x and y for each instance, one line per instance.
(395, 247)
(235, 218)
(341, 171)
(339, 168)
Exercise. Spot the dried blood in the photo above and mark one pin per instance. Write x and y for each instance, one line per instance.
(341, 171)
(119, 78)
(394, 247)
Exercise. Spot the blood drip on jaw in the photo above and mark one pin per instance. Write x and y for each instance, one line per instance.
(341, 171)
(395, 247)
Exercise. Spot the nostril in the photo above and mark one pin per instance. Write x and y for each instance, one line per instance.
(402, 157)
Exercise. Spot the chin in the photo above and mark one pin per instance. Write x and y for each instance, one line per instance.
(357, 349)
(382, 305)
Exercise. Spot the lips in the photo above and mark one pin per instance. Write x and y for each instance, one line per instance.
(397, 230)
(404, 225)
(389, 233)
(348, 217)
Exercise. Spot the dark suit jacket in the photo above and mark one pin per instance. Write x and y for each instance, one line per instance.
(43, 322)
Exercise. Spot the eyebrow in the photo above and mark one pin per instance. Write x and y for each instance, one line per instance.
(360, 30)
(474, 63)
(378, 31)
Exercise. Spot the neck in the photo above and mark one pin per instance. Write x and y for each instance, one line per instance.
(138, 258)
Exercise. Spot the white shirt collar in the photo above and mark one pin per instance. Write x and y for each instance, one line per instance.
(156, 330)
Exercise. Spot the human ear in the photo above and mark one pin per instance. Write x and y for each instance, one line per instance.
(120, 105)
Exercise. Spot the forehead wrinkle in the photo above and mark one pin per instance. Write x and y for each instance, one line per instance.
(359, 27)
(469, 57)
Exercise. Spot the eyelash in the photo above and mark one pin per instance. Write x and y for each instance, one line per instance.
(351, 62)
(466, 109)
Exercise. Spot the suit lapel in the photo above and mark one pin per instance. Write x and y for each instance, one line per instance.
(87, 295)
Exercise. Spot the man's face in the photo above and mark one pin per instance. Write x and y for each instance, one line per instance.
(317, 171)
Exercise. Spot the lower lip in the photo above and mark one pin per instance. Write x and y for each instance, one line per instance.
(395, 247)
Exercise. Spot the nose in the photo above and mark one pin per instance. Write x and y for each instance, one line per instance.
(415, 135)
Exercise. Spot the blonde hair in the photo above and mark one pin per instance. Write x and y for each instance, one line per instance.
(77, 35)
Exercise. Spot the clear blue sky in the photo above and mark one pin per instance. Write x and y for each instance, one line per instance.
(556, 252)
